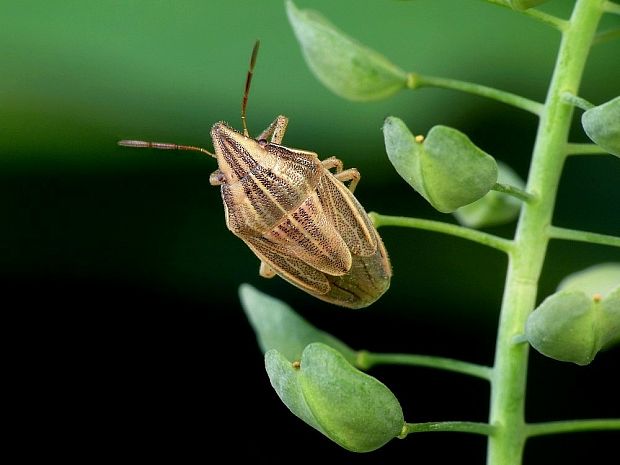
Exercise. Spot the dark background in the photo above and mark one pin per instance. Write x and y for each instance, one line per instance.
(130, 341)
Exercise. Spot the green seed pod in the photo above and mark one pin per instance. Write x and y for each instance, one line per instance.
(343, 65)
(351, 408)
(278, 327)
(602, 125)
(446, 168)
(525, 4)
(581, 319)
(494, 208)
(601, 279)
(565, 327)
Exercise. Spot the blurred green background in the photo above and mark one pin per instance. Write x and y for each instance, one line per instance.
(120, 260)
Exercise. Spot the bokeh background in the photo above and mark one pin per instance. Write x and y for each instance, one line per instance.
(123, 276)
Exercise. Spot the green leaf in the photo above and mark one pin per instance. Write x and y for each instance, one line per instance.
(351, 408)
(344, 66)
(598, 279)
(494, 208)
(602, 125)
(446, 168)
(278, 327)
(525, 4)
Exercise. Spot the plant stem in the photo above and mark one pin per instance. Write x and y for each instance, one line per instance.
(446, 228)
(526, 259)
(366, 360)
(583, 236)
(545, 18)
(585, 149)
(576, 101)
(514, 191)
(572, 426)
(449, 426)
(416, 80)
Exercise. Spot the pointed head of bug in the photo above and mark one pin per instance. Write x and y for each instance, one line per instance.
(237, 155)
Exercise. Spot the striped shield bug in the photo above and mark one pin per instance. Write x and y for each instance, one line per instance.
(298, 217)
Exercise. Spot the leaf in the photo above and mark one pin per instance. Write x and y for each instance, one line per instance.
(602, 125)
(278, 327)
(446, 168)
(343, 65)
(495, 208)
(351, 408)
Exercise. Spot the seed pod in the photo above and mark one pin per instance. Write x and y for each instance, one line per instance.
(343, 65)
(495, 207)
(278, 327)
(446, 168)
(525, 4)
(351, 408)
(581, 319)
(602, 125)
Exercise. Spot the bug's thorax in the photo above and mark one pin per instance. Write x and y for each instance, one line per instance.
(237, 155)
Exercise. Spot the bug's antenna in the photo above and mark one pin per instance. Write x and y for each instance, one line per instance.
(162, 146)
(248, 81)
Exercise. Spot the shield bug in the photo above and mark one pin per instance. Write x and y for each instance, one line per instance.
(298, 217)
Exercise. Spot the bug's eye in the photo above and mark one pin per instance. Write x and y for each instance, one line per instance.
(262, 142)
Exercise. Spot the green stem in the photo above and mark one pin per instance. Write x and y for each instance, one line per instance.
(416, 80)
(606, 36)
(611, 7)
(514, 191)
(583, 236)
(446, 228)
(585, 149)
(576, 101)
(572, 426)
(449, 426)
(526, 259)
(545, 18)
(366, 360)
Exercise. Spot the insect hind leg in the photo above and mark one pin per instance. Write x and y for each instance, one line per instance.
(351, 174)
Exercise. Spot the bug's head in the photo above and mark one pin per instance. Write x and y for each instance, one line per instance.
(237, 155)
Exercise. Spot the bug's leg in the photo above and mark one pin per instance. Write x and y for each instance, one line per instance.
(349, 175)
(332, 162)
(217, 178)
(266, 271)
(275, 131)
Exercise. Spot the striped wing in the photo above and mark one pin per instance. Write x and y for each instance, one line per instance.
(349, 217)
(289, 267)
